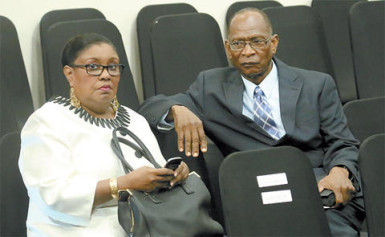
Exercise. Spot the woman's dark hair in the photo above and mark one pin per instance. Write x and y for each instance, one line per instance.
(78, 43)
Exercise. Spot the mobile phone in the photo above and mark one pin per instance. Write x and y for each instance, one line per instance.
(173, 163)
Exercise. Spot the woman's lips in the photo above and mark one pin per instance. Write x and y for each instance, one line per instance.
(105, 88)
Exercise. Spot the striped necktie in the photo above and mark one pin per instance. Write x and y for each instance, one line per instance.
(263, 115)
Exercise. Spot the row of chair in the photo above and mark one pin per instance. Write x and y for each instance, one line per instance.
(294, 207)
(175, 48)
(327, 37)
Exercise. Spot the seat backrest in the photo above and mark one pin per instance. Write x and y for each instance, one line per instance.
(56, 16)
(367, 28)
(371, 164)
(335, 20)
(236, 6)
(271, 192)
(184, 45)
(366, 117)
(302, 41)
(13, 194)
(144, 21)
(15, 95)
(59, 33)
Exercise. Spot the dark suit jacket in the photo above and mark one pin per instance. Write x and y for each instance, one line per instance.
(311, 113)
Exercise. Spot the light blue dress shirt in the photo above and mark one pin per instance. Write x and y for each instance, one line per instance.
(270, 88)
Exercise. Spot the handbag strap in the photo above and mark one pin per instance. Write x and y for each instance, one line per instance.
(141, 150)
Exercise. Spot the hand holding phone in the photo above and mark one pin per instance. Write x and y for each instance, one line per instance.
(173, 163)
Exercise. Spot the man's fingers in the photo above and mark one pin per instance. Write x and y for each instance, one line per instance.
(195, 143)
(202, 138)
(180, 135)
(187, 143)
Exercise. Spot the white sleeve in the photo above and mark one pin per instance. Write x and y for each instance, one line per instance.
(49, 174)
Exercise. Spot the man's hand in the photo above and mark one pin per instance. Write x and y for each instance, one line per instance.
(338, 181)
(189, 129)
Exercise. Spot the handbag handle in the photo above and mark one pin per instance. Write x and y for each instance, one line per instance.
(141, 150)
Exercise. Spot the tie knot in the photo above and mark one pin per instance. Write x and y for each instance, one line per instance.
(258, 91)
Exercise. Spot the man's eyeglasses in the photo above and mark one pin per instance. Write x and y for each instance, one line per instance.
(97, 69)
(254, 44)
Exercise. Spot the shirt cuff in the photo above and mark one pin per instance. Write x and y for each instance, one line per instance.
(163, 125)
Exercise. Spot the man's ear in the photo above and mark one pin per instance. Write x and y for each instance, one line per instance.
(68, 73)
(228, 50)
(274, 43)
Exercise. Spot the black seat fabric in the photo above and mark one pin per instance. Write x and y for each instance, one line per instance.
(55, 16)
(302, 40)
(184, 45)
(15, 95)
(371, 164)
(367, 27)
(13, 194)
(335, 19)
(258, 205)
(366, 117)
(144, 21)
(243, 4)
(59, 33)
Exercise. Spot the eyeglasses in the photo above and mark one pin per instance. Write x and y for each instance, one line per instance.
(97, 69)
(254, 44)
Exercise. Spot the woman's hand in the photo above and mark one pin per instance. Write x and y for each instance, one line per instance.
(180, 174)
(146, 179)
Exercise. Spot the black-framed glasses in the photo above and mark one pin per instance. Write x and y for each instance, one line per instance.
(97, 69)
(254, 44)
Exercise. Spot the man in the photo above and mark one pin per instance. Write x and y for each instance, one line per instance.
(262, 102)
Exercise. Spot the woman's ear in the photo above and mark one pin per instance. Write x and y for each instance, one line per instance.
(68, 72)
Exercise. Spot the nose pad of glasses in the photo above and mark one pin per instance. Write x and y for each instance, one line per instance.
(105, 75)
(248, 49)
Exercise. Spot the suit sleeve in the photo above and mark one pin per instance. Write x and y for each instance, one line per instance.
(341, 148)
(155, 107)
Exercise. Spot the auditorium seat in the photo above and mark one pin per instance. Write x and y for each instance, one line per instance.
(56, 37)
(371, 165)
(144, 21)
(184, 45)
(302, 40)
(61, 15)
(271, 192)
(335, 20)
(236, 6)
(15, 95)
(13, 194)
(367, 29)
(366, 117)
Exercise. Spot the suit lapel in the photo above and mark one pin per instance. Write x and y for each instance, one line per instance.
(233, 89)
(289, 90)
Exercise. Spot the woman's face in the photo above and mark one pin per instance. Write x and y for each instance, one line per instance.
(95, 93)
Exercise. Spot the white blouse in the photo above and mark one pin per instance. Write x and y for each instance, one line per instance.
(64, 153)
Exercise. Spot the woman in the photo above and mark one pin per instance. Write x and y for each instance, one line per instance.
(71, 172)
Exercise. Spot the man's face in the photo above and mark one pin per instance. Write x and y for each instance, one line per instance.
(254, 60)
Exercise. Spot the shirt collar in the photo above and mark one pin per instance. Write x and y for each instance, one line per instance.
(267, 85)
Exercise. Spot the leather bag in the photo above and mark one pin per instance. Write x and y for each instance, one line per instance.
(180, 211)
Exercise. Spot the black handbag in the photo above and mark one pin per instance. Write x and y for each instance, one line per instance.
(180, 211)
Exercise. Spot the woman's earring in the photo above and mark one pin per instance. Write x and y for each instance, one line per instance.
(115, 104)
(74, 100)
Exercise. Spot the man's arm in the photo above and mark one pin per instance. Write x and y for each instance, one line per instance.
(189, 129)
(182, 110)
(341, 148)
